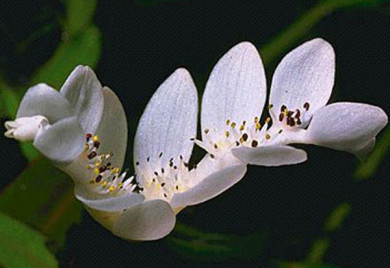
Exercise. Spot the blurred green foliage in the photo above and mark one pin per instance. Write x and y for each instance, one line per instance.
(21, 246)
(42, 196)
(200, 246)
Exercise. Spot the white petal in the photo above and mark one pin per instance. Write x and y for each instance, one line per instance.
(236, 89)
(112, 130)
(347, 126)
(44, 100)
(151, 220)
(210, 187)
(306, 74)
(273, 155)
(62, 142)
(84, 91)
(112, 204)
(169, 120)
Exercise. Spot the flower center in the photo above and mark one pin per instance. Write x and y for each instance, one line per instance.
(250, 134)
(162, 181)
(298, 118)
(153, 180)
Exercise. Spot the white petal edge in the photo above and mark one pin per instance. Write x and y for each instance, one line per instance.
(112, 130)
(113, 204)
(147, 221)
(62, 142)
(43, 100)
(210, 187)
(169, 121)
(273, 155)
(346, 126)
(236, 89)
(306, 74)
(84, 92)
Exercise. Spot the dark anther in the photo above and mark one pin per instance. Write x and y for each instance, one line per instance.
(281, 116)
(306, 106)
(163, 184)
(254, 143)
(160, 155)
(88, 136)
(283, 108)
(215, 146)
(109, 164)
(181, 157)
(177, 187)
(170, 163)
(280, 131)
(137, 163)
(192, 139)
(148, 159)
(297, 113)
(99, 178)
(212, 156)
(290, 122)
(299, 121)
(165, 195)
(92, 155)
(244, 137)
(162, 170)
(156, 173)
(96, 144)
(102, 169)
(174, 167)
(289, 113)
(237, 143)
(154, 180)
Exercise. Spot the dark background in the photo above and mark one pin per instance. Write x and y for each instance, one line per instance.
(143, 44)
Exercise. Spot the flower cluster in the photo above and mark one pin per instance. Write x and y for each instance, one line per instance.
(83, 130)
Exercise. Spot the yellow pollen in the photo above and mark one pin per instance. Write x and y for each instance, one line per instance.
(104, 184)
(115, 170)
(241, 127)
(206, 131)
(258, 125)
(112, 188)
(91, 181)
(267, 136)
(120, 184)
(256, 119)
(268, 119)
(233, 125)
(95, 138)
(227, 134)
(228, 122)
(97, 164)
(270, 106)
(96, 170)
(285, 111)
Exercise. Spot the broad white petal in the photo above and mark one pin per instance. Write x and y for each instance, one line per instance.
(151, 220)
(61, 142)
(236, 89)
(169, 120)
(347, 126)
(44, 100)
(113, 204)
(84, 91)
(210, 187)
(112, 130)
(306, 74)
(274, 155)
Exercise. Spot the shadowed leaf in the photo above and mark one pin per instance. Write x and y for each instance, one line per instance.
(43, 197)
(21, 246)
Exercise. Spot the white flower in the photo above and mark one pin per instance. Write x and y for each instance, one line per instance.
(56, 121)
(235, 95)
(143, 207)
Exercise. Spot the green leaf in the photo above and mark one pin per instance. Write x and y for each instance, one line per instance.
(85, 48)
(194, 244)
(337, 217)
(303, 25)
(367, 168)
(20, 246)
(79, 15)
(304, 265)
(43, 197)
